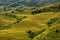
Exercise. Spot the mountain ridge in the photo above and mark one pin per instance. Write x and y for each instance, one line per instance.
(27, 2)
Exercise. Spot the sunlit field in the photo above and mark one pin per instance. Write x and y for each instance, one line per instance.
(31, 23)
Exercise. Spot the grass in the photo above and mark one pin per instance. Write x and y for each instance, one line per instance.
(19, 30)
(36, 23)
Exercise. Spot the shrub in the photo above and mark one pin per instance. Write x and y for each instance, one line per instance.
(17, 21)
(33, 34)
(25, 16)
(36, 12)
(4, 27)
(14, 16)
(12, 11)
(52, 21)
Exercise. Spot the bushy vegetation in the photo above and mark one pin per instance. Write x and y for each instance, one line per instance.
(36, 12)
(5, 27)
(34, 34)
(52, 21)
(53, 8)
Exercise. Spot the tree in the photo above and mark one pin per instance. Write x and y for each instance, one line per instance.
(31, 34)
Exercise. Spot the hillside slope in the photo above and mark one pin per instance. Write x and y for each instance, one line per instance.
(31, 24)
(35, 24)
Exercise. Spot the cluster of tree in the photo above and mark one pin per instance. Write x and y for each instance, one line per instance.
(54, 8)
